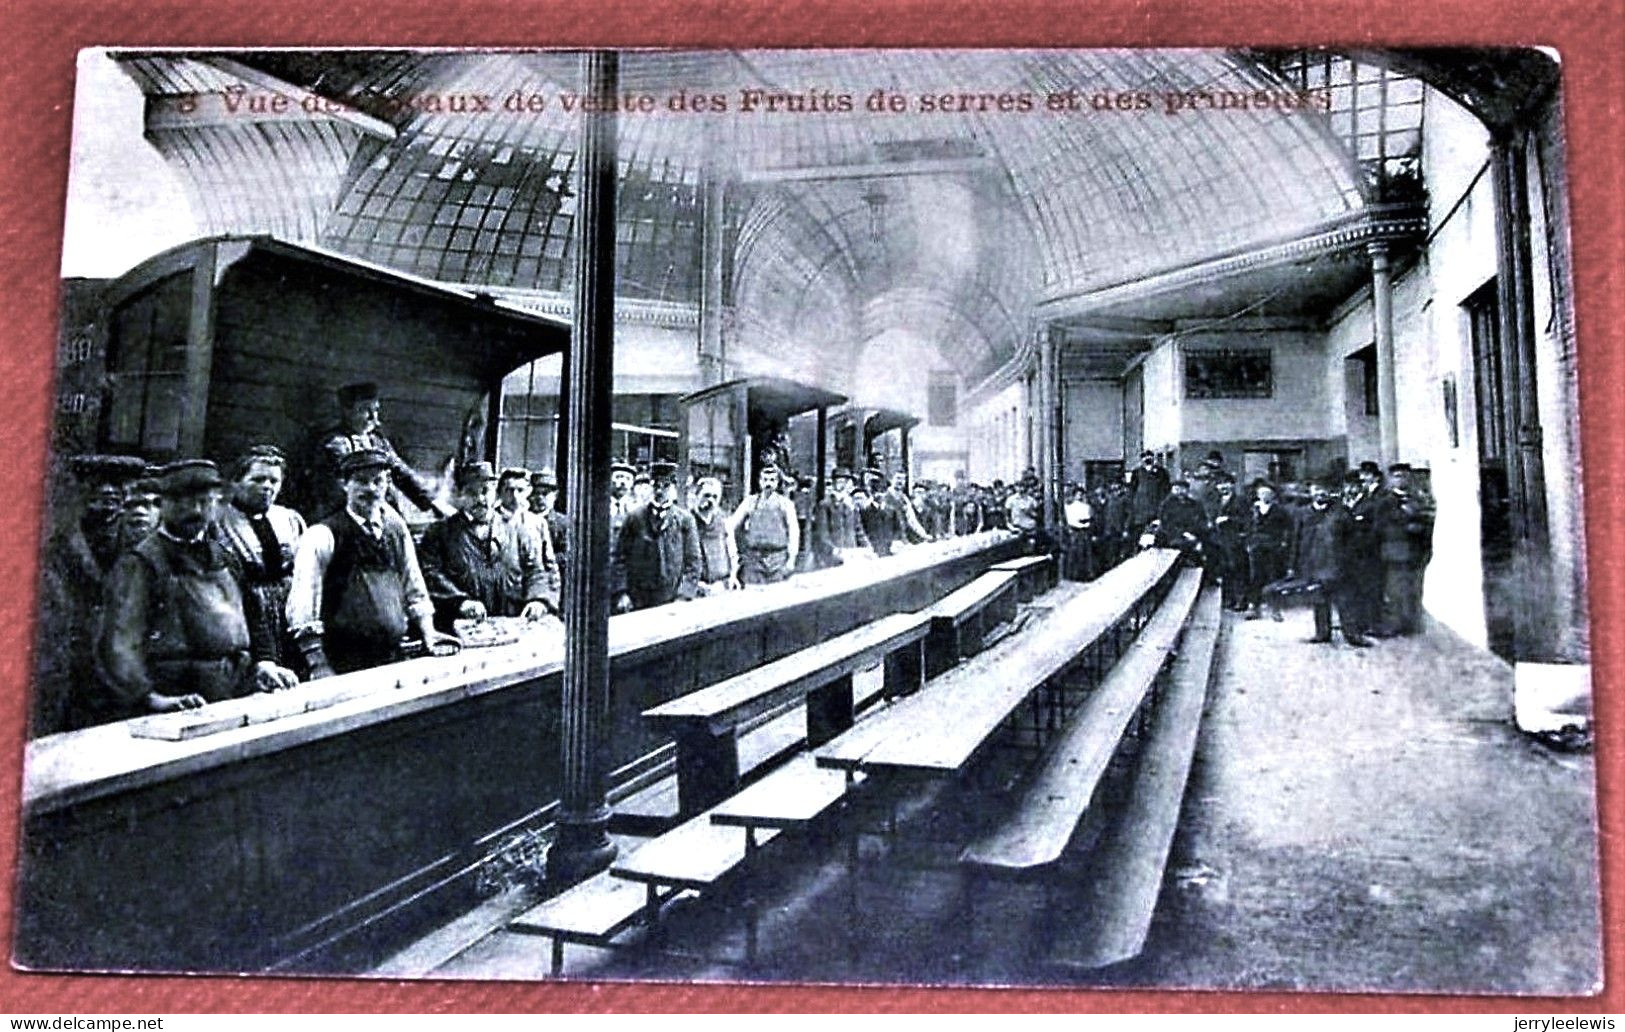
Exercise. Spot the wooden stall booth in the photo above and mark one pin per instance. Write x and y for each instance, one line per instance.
(728, 427)
(228, 342)
(875, 438)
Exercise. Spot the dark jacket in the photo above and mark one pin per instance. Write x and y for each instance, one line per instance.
(1404, 526)
(657, 555)
(1320, 547)
(1181, 516)
(1272, 531)
(1147, 488)
(174, 625)
(503, 572)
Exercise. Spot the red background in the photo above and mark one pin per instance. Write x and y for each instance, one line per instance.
(42, 38)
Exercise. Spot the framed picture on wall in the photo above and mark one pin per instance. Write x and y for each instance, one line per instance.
(1229, 373)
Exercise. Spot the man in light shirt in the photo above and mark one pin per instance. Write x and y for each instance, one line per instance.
(357, 587)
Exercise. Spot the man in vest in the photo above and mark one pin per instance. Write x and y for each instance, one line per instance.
(174, 634)
(769, 533)
(719, 559)
(657, 555)
(477, 564)
(261, 538)
(357, 587)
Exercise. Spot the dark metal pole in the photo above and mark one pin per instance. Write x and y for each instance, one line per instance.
(583, 846)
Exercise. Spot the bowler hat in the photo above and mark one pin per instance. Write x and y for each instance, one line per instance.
(841, 473)
(661, 470)
(545, 478)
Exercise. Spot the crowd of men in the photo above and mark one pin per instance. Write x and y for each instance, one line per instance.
(171, 587)
(1357, 543)
(177, 586)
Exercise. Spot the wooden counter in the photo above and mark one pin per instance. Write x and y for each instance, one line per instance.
(311, 840)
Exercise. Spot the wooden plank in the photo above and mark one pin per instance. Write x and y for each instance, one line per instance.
(594, 911)
(1045, 817)
(974, 596)
(755, 692)
(694, 855)
(944, 738)
(1021, 565)
(1133, 855)
(791, 797)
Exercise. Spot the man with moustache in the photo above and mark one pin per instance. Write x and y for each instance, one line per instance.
(1365, 545)
(515, 518)
(260, 537)
(1405, 529)
(719, 560)
(76, 563)
(174, 634)
(769, 533)
(1318, 566)
(658, 552)
(476, 565)
(357, 586)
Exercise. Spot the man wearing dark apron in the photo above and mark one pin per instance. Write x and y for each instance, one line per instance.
(357, 587)
(769, 532)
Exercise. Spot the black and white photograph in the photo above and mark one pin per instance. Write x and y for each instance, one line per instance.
(1059, 517)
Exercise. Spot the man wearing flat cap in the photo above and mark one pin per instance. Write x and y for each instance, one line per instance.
(76, 563)
(359, 430)
(261, 539)
(477, 565)
(174, 634)
(657, 554)
(357, 587)
(544, 496)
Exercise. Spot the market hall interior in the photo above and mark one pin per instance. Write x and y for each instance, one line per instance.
(1144, 518)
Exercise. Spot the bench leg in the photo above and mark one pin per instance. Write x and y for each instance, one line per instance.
(558, 956)
(905, 670)
(829, 711)
(707, 769)
(942, 648)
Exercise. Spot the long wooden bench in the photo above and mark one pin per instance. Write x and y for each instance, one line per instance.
(939, 731)
(961, 620)
(1046, 815)
(704, 725)
(1037, 572)
(1129, 861)
(692, 858)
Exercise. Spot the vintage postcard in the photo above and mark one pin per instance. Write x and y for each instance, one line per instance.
(1085, 518)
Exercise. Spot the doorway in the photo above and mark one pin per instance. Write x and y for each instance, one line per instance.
(1493, 413)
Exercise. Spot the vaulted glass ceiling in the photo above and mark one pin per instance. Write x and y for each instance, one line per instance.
(837, 226)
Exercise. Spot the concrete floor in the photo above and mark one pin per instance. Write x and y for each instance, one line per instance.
(1356, 820)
